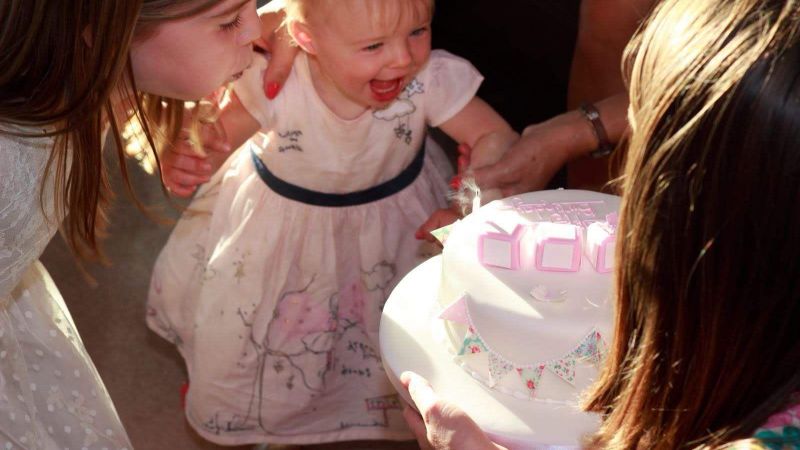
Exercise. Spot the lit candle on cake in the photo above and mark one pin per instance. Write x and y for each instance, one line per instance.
(476, 201)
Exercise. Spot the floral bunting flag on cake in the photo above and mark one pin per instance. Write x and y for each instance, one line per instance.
(592, 348)
(564, 368)
(498, 368)
(531, 376)
(472, 343)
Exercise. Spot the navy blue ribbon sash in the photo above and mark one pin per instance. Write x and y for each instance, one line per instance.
(300, 194)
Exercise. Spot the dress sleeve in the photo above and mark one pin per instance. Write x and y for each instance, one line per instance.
(451, 82)
(249, 89)
(24, 231)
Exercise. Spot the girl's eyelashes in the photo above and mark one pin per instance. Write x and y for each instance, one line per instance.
(415, 33)
(232, 25)
(373, 47)
(419, 31)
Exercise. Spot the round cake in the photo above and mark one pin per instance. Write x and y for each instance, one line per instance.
(511, 322)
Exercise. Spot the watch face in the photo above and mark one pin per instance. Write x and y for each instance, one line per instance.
(604, 147)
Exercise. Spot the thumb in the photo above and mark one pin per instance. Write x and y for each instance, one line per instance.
(420, 390)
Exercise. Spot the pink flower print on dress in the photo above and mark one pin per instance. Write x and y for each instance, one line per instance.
(352, 302)
(298, 317)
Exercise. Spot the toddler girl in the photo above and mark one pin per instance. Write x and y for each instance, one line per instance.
(272, 283)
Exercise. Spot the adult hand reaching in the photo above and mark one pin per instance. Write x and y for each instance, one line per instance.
(545, 147)
(276, 41)
(530, 163)
(439, 425)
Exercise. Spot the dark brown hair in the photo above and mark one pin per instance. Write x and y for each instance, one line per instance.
(707, 342)
(61, 62)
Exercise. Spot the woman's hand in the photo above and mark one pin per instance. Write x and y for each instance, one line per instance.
(545, 147)
(439, 425)
(276, 41)
(530, 163)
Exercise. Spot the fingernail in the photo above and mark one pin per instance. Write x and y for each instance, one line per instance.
(272, 89)
(462, 163)
(455, 182)
(226, 148)
(206, 166)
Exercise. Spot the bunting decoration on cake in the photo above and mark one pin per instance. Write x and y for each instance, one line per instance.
(564, 369)
(531, 376)
(472, 343)
(456, 312)
(441, 234)
(591, 348)
(498, 368)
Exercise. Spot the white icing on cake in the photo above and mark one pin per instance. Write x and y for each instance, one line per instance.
(529, 317)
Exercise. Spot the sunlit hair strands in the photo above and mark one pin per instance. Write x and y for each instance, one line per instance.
(708, 285)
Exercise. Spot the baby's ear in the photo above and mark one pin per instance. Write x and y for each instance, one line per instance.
(302, 35)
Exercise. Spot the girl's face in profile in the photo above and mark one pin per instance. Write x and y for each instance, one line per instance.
(189, 58)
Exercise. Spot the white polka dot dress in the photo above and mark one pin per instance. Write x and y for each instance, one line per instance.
(51, 396)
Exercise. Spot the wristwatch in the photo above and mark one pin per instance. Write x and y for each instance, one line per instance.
(604, 147)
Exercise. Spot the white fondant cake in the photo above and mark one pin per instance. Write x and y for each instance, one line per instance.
(513, 326)
(524, 331)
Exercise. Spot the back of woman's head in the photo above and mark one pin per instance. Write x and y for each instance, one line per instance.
(708, 338)
(62, 60)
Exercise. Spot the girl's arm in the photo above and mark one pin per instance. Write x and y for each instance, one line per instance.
(473, 122)
(480, 128)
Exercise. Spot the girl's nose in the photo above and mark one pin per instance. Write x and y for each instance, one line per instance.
(250, 29)
(401, 56)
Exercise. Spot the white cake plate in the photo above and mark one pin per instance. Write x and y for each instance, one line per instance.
(412, 338)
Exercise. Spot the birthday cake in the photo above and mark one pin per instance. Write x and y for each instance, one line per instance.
(525, 290)
(511, 323)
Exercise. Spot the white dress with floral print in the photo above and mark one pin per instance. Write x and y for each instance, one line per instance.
(275, 302)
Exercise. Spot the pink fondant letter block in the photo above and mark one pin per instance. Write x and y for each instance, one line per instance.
(558, 247)
(501, 249)
(600, 240)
